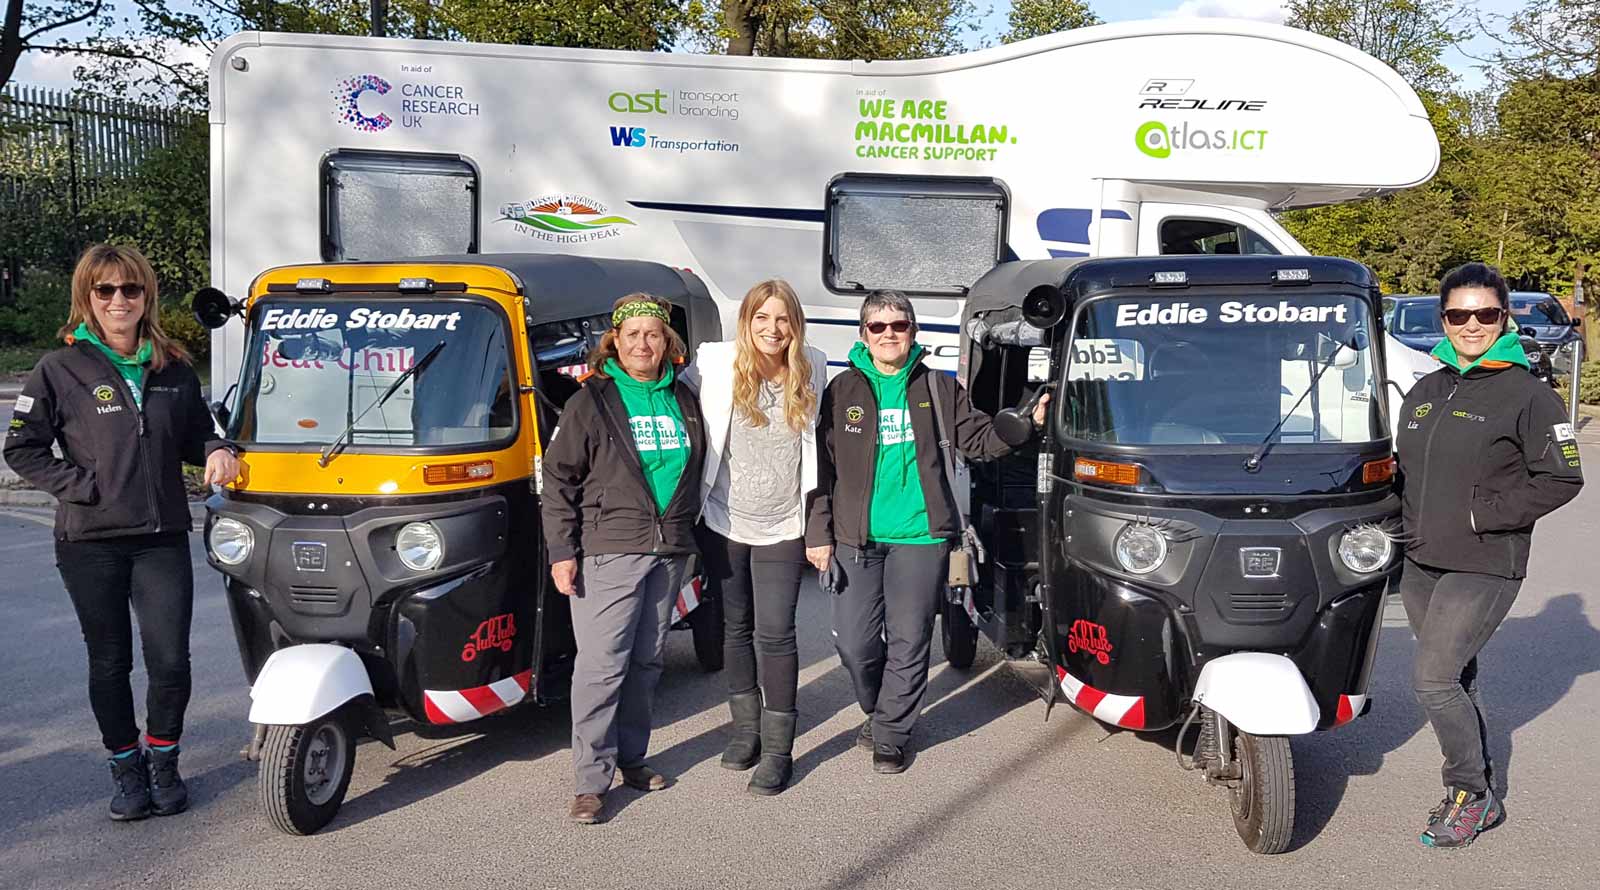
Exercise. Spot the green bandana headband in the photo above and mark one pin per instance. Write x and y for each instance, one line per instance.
(638, 309)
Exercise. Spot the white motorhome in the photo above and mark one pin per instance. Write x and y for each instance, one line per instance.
(1135, 138)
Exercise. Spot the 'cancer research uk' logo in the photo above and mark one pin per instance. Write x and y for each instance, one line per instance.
(347, 99)
(564, 219)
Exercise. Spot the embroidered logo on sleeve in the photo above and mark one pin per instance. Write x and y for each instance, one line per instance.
(24, 404)
(1562, 431)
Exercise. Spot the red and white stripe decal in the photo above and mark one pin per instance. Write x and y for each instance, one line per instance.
(461, 705)
(688, 598)
(1349, 708)
(576, 372)
(1126, 711)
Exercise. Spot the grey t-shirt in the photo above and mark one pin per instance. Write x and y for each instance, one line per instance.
(756, 497)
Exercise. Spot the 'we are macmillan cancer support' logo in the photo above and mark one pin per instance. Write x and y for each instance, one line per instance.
(347, 102)
(564, 219)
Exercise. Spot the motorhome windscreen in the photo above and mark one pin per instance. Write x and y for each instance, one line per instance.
(314, 366)
(1192, 369)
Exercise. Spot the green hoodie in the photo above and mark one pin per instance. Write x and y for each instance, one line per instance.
(131, 369)
(658, 432)
(898, 512)
(1506, 349)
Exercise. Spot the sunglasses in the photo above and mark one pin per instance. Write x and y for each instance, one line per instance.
(1490, 316)
(107, 291)
(878, 327)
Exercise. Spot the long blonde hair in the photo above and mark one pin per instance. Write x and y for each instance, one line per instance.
(799, 397)
(607, 347)
(131, 267)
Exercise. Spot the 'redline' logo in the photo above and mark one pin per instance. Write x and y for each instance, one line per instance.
(564, 219)
(1158, 140)
(418, 101)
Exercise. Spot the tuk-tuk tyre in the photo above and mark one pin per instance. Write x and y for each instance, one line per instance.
(284, 800)
(958, 635)
(1263, 803)
(705, 624)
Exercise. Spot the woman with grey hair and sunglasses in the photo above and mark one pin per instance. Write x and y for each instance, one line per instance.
(883, 516)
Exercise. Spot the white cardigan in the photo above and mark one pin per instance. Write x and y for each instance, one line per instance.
(712, 375)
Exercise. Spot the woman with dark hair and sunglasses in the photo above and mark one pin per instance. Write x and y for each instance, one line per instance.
(1485, 450)
(882, 499)
(126, 409)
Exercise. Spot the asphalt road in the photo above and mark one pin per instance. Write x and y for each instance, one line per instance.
(996, 797)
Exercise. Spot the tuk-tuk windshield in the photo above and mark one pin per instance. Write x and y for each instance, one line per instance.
(1195, 370)
(314, 366)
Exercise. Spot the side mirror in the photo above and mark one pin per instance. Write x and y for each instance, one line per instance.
(1044, 306)
(1575, 322)
(1013, 427)
(213, 308)
(221, 413)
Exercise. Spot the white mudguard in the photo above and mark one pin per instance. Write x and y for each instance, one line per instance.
(1260, 693)
(298, 684)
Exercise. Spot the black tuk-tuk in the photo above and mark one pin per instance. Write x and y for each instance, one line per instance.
(1202, 535)
(382, 549)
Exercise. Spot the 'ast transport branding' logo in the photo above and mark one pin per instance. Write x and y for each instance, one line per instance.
(705, 104)
(564, 219)
(370, 103)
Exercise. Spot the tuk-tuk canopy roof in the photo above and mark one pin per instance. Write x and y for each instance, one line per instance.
(559, 286)
(1007, 285)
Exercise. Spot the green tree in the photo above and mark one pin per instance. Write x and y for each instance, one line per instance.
(1409, 36)
(35, 27)
(836, 29)
(1033, 18)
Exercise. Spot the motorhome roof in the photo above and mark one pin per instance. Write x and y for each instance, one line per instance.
(1008, 283)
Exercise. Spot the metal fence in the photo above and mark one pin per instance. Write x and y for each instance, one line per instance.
(75, 145)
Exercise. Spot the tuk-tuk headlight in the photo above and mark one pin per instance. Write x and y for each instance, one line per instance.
(1140, 549)
(420, 546)
(230, 541)
(1365, 549)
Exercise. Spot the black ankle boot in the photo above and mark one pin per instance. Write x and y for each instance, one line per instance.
(744, 749)
(168, 794)
(777, 744)
(132, 778)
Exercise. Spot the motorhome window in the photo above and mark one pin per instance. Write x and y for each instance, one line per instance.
(379, 205)
(314, 366)
(925, 236)
(1211, 236)
(1197, 370)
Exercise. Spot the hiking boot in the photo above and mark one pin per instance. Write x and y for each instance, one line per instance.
(744, 749)
(864, 735)
(586, 809)
(168, 795)
(643, 778)
(1460, 818)
(777, 748)
(888, 759)
(132, 778)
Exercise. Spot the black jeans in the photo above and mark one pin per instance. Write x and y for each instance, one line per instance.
(883, 626)
(759, 587)
(151, 573)
(1453, 614)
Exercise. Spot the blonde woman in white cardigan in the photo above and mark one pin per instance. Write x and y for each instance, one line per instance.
(759, 395)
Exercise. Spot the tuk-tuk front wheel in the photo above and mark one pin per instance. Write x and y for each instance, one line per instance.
(305, 772)
(958, 635)
(1263, 798)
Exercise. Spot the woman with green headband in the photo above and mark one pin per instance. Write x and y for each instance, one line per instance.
(621, 494)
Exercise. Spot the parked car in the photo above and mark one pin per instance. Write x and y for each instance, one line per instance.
(1542, 317)
(1414, 320)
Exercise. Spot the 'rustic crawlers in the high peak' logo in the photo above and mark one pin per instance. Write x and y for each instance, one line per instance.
(564, 219)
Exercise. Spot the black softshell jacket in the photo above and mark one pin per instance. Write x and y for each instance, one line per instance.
(120, 470)
(847, 453)
(1483, 455)
(595, 498)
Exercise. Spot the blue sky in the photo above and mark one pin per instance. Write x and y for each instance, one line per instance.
(56, 71)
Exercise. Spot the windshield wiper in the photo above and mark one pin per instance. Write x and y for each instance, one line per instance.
(336, 446)
(1253, 462)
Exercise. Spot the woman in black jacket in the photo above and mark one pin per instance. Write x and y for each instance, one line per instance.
(1485, 451)
(621, 493)
(126, 410)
